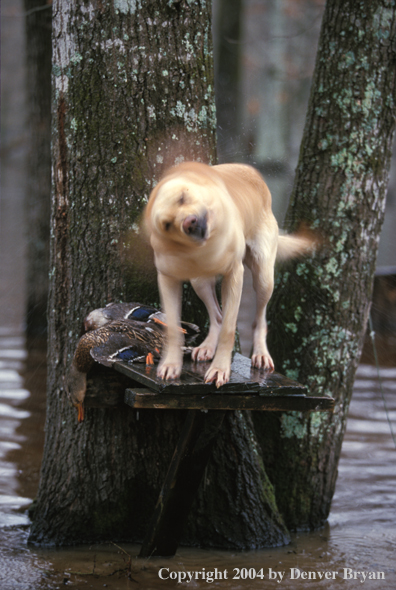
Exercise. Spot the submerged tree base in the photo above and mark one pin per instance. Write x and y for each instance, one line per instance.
(221, 516)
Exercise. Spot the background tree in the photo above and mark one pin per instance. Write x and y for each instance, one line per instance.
(38, 39)
(228, 22)
(132, 93)
(316, 336)
(278, 45)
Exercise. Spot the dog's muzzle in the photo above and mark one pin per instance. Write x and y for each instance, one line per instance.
(195, 227)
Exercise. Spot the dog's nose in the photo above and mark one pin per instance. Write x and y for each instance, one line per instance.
(190, 224)
(195, 226)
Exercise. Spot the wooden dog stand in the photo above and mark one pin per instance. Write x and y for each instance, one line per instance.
(248, 389)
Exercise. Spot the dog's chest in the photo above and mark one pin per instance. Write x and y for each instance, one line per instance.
(201, 263)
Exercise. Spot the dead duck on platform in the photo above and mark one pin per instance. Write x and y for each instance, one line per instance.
(116, 340)
(137, 312)
(122, 311)
(109, 340)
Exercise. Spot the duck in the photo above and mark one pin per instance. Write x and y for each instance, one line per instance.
(126, 340)
(122, 311)
(137, 312)
(130, 332)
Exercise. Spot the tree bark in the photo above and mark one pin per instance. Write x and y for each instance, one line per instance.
(132, 94)
(316, 335)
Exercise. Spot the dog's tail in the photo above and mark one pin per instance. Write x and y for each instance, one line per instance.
(301, 243)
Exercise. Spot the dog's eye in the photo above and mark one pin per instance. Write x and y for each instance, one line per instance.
(167, 225)
(182, 199)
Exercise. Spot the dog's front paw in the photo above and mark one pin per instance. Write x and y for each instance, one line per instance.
(203, 353)
(263, 361)
(218, 375)
(169, 370)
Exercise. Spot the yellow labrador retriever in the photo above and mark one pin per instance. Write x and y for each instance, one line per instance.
(204, 221)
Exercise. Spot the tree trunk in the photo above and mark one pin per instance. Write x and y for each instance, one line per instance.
(228, 25)
(132, 93)
(38, 41)
(316, 335)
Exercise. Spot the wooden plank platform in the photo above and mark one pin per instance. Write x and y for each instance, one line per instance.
(243, 378)
(248, 389)
(143, 398)
(105, 391)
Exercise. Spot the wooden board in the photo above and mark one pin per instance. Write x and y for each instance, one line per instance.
(143, 398)
(244, 378)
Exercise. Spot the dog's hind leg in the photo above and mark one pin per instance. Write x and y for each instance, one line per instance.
(263, 282)
(206, 291)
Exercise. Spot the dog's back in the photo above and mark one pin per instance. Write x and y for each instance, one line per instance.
(251, 195)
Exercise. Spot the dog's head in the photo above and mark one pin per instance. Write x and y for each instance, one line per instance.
(181, 206)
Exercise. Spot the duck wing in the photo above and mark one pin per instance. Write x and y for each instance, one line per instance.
(126, 340)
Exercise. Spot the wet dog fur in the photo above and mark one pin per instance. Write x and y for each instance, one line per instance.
(205, 221)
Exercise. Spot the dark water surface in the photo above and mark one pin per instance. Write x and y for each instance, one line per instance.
(357, 547)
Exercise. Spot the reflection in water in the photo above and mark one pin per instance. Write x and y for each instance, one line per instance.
(12, 351)
(360, 534)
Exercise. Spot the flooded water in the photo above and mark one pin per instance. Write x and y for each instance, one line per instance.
(357, 546)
